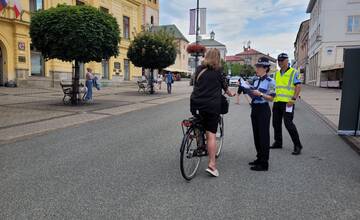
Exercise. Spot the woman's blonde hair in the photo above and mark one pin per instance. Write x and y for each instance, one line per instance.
(212, 59)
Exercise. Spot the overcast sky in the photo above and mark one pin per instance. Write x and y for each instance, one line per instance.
(271, 25)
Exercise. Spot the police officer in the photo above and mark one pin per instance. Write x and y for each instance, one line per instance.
(288, 87)
(262, 92)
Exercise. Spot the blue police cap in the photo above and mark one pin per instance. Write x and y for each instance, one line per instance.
(283, 56)
(263, 61)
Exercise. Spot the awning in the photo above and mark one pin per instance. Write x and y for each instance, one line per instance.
(332, 67)
(177, 70)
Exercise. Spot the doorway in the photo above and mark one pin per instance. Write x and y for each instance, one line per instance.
(105, 68)
(126, 70)
(1, 68)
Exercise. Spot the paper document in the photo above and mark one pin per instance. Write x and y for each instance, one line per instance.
(244, 84)
(289, 109)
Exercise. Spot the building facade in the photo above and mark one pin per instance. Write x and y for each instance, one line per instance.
(182, 58)
(251, 57)
(151, 13)
(212, 43)
(334, 26)
(21, 63)
(301, 49)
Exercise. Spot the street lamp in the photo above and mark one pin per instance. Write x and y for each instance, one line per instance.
(197, 33)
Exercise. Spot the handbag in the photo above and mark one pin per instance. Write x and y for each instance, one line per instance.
(224, 105)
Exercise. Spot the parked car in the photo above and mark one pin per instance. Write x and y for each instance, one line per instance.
(234, 81)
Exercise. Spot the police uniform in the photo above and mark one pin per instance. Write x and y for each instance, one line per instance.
(285, 91)
(260, 118)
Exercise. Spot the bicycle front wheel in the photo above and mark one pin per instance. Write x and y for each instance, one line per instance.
(220, 136)
(189, 163)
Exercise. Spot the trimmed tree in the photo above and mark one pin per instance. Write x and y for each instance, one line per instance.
(75, 34)
(153, 50)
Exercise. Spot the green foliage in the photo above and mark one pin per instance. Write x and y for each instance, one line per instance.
(238, 69)
(81, 33)
(153, 50)
(247, 70)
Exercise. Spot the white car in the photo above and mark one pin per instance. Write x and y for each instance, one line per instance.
(234, 81)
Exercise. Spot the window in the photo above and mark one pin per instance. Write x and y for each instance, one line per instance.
(152, 20)
(79, 2)
(353, 25)
(126, 22)
(104, 10)
(36, 5)
(155, 1)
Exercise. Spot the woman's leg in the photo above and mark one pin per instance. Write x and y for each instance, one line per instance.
(237, 98)
(211, 145)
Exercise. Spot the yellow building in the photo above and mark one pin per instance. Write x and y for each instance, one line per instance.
(19, 62)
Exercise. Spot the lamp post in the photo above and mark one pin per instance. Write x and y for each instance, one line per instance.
(197, 33)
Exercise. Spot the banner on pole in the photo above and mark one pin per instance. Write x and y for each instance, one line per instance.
(202, 21)
(192, 30)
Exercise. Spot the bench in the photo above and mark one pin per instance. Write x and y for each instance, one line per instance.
(68, 91)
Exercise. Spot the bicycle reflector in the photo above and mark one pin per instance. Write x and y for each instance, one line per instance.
(187, 123)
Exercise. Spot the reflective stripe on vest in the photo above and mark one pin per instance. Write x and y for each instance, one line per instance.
(285, 88)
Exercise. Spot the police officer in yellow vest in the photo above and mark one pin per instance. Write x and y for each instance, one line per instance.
(288, 87)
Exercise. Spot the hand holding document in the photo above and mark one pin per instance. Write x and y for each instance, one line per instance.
(289, 109)
(244, 84)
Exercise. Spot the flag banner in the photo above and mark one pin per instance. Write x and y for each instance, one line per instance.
(3, 4)
(192, 30)
(17, 8)
(202, 21)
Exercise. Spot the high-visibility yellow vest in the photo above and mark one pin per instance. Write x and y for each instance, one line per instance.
(285, 88)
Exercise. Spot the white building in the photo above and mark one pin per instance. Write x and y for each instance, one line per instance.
(334, 26)
(212, 43)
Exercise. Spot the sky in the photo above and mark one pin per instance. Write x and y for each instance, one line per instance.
(270, 25)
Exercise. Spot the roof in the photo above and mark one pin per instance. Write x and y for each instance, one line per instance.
(250, 52)
(233, 58)
(171, 29)
(310, 6)
(211, 43)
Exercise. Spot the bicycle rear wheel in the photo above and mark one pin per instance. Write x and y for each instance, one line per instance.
(189, 163)
(220, 136)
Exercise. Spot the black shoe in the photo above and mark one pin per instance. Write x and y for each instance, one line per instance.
(276, 146)
(260, 167)
(255, 162)
(297, 151)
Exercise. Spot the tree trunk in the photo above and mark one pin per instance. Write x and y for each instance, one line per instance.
(75, 84)
(152, 81)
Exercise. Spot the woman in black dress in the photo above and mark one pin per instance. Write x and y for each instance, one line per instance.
(206, 101)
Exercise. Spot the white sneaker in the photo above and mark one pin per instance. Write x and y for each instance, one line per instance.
(214, 173)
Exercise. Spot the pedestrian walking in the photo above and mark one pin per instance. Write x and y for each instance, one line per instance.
(241, 91)
(89, 84)
(262, 92)
(206, 101)
(288, 87)
(159, 80)
(169, 81)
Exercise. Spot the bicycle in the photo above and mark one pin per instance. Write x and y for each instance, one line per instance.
(193, 146)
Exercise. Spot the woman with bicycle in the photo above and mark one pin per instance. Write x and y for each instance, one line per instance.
(205, 101)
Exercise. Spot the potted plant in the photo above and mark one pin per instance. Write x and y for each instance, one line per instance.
(196, 49)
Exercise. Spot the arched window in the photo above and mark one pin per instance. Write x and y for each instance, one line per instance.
(152, 20)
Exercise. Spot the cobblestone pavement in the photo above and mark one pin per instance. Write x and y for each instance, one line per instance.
(30, 111)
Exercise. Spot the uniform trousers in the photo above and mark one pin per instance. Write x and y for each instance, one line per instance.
(260, 119)
(279, 112)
